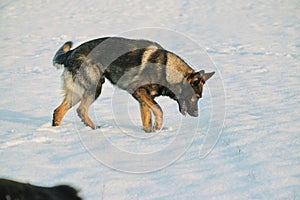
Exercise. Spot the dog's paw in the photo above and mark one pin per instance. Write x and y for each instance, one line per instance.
(97, 127)
(157, 126)
(148, 128)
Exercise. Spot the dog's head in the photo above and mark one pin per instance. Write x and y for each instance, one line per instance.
(192, 92)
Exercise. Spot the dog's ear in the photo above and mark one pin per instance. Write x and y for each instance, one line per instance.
(207, 76)
(195, 78)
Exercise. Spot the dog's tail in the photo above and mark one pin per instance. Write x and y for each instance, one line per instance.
(61, 55)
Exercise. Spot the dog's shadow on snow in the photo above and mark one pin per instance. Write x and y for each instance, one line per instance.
(21, 118)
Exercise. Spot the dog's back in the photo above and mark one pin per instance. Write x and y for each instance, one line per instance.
(102, 51)
(10, 190)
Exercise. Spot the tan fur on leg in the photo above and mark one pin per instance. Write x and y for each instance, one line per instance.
(144, 97)
(69, 101)
(83, 110)
(60, 112)
(146, 117)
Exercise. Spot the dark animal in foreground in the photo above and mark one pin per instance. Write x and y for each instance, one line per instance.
(141, 67)
(12, 190)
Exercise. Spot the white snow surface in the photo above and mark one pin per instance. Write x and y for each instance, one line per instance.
(244, 145)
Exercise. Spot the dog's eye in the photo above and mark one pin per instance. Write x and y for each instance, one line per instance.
(195, 83)
(194, 99)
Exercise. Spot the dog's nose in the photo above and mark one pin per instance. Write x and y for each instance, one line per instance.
(194, 113)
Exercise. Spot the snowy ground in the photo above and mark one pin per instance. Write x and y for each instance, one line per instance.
(253, 45)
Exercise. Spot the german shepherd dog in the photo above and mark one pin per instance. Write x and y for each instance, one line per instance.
(143, 68)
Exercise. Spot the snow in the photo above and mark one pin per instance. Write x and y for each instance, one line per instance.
(244, 145)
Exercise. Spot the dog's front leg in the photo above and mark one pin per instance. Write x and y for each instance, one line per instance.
(142, 96)
(146, 117)
(158, 116)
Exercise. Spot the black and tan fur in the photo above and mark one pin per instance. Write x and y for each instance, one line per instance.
(141, 67)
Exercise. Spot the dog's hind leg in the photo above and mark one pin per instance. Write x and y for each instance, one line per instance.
(83, 109)
(87, 99)
(69, 101)
(143, 97)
